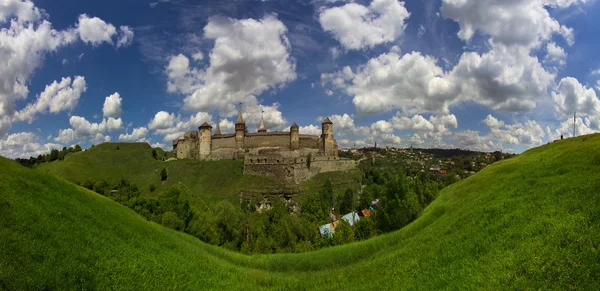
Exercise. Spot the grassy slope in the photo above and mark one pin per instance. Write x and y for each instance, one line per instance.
(530, 222)
(208, 181)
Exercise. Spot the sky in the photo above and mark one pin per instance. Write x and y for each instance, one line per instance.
(483, 75)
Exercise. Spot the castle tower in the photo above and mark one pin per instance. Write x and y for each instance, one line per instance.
(327, 138)
(240, 130)
(262, 128)
(205, 140)
(294, 139)
(218, 130)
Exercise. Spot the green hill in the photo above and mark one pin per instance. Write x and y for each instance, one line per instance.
(530, 222)
(203, 181)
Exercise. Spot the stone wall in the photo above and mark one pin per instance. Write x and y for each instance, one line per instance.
(293, 169)
(268, 139)
(309, 141)
(223, 141)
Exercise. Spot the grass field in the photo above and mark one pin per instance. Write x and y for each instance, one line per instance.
(530, 222)
(204, 181)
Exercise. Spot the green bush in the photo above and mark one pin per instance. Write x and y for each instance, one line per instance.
(170, 220)
(152, 187)
(163, 174)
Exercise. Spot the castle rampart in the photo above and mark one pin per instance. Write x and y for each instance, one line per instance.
(281, 155)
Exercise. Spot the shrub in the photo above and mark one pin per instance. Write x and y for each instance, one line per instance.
(118, 148)
(100, 187)
(88, 184)
(152, 187)
(170, 220)
(154, 155)
(163, 174)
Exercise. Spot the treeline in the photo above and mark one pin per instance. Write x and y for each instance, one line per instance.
(52, 156)
(241, 228)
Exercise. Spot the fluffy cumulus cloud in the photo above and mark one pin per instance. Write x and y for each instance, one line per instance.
(162, 120)
(171, 126)
(95, 31)
(55, 98)
(412, 82)
(25, 145)
(82, 130)
(516, 22)
(570, 96)
(493, 122)
(356, 26)
(138, 134)
(26, 37)
(581, 127)
(506, 78)
(249, 57)
(24, 42)
(112, 105)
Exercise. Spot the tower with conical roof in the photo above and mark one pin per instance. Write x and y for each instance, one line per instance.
(218, 129)
(294, 137)
(327, 137)
(262, 127)
(205, 139)
(240, 130)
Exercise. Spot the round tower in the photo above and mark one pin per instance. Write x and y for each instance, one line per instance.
(327, 137)
(294, 137)
(205, 140)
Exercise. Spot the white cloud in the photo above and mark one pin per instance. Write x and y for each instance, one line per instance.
(162, 120)
(413, 83)
(25, 145)
(436, 124)
(506, 79)
(112, 105)
(566, 128)
(249, 57)
(25, 11)
(139, 134)
(555, 55)
(55, 98)
(492, 122)
(570, 96)
(23, 45)
(125, 36)
(198, 56)
(356, 26)
(518, 22)
(5, 125)
(94, 30)
(530, 133)
(83, 129)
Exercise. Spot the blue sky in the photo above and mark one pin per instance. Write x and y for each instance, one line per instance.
(478, 74)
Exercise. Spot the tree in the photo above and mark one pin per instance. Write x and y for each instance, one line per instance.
(154, 155)
(170, 220)
(77, 148)
(326, 193)
(100, 187)
(343, 233)
(173, 200)
(347, 203)
(308, 160)
(364, 228)
(203, 226)
(163, 174)
(229, 222)
(118, 148)
(313, 208)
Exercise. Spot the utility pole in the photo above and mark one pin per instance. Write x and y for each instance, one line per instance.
(574, 122)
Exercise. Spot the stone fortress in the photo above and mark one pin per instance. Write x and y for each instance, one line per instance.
(285, 156)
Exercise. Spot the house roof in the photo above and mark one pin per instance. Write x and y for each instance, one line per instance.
(327, 121)
(205, 125)
(262, 124)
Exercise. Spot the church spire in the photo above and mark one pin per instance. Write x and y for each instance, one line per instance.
(262, 127)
